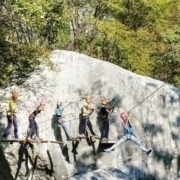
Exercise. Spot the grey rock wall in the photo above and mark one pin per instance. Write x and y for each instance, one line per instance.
(156, 121)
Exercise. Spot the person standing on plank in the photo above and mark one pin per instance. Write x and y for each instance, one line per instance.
(128, 134)
(86, 110)
(33, 128)
(104, 120)
(61, 120)
(11, 115)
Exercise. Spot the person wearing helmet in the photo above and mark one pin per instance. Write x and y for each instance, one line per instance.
(33, 128)
(104, 119)
(128, 134)
(11, 115)
(61, 120)
(86, 110)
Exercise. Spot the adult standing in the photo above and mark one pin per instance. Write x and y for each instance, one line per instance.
(86, 110)
(103, 117)
(11, 115)
(62, 123)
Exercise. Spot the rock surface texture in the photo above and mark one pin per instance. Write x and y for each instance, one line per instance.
(156, 121)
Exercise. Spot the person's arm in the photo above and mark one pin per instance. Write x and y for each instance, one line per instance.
(122, 124)
(109, 110)
(92, 109)
(83, 110)
(129, 121)
(62, 110)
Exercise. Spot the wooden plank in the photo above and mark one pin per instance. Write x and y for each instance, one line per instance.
(109, 142)
(29, 141)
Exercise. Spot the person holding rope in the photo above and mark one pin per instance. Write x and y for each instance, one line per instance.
(86, 110)
(11, 115)
(128, 134)
(33, 128)
(61, 120)
(103, 117)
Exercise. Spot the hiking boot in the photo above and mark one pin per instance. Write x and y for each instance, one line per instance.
(149, 151)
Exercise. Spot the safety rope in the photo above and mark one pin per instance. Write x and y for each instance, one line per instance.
(146, 97)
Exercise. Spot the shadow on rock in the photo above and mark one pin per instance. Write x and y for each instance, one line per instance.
(152, 129)
(139, 174)
(5, 171)
(24, 157)
(164, 157)
(58, 137)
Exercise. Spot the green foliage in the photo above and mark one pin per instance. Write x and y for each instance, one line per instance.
(132, 13)
(127, 33)
(167, 65)
(17, 61)
(140, 35)
(24, 39)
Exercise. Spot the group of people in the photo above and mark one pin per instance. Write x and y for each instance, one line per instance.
(86, 110)
(104, 113)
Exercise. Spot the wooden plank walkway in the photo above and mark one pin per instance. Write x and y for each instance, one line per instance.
(29, 141)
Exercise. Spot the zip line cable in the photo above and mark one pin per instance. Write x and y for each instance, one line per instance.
(146, 97)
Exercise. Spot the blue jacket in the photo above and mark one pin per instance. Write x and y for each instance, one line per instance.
(59, 111)
(128, 130)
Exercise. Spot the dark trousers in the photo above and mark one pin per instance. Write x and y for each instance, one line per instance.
(33, 128)
(84, 123)
(105, 129)
(11, 121)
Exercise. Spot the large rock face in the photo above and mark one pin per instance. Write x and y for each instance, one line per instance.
(156, 121)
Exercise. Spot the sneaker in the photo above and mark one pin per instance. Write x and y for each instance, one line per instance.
(149, 151)
(107, 150)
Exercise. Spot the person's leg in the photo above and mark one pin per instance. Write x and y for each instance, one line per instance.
(15, 126)
(67, 131)
(9, 125)
(106, 135)
(138, 143)
(102, 130)
(82, 125)
(89, 125)
(36, 128)
(122, 140)
(31, 128)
